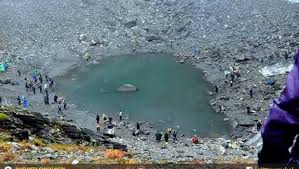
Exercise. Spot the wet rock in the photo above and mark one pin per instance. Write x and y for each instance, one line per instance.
(127, 88)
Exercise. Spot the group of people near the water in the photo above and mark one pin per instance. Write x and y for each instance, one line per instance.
(167, 136)
(42, 83)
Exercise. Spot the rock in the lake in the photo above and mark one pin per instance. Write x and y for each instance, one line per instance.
(127, 88)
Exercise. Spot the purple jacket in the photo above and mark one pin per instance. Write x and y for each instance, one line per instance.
(282, 123)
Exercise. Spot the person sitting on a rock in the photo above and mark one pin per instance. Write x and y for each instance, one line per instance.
(158, 136)
(195, 139)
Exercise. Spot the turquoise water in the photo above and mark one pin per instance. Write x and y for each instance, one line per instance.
(170, 94)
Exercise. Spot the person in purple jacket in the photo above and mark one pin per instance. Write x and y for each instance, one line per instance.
(282, 123)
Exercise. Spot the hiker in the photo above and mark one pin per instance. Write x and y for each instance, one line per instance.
(47, 79)
(98, 126)
(55, 98)
(59, 109)
(231, 83)
(98, 119)
(0, 99)
(281, 125)
(40, 88)
(286, 55)
(33, 89)
(258, 125)
(195, 139)
(166, 136)
(104, 117)
(251, 93)
(19, 72)
(26, 86)
(64, 105)
(120, 115)
(110, 120)
(19, 100)
(216, 88)
(174, 136)
(137, 126)
(158, 136)
(25, 79)
(40, 78)
(248, 110)
(45, 99)
(232, 76)
(51, 83)
(136, 132)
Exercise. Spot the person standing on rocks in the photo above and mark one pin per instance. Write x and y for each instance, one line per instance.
(98, 119)
(47, 78)
(174, 136)
(19, 72)
(110, 120)
(98, 126)
(281, 125)
(216, 88)
(231, 83)
(137, 126)
(19, 100)
(40, 88)
(195, 139)
(251, 93)
(26, 86)
(258, 125)
(33, 89)
(120, 115)
(55, 98)
(59, 109)
(166, 136)
(0, 100)
(158, 136)
(46, 99)
(64, 105)
(248, 110)
(40, 78)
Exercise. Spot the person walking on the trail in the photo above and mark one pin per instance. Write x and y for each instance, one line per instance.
(19, 72)
(248, 110)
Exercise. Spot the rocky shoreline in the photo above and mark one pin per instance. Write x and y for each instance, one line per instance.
(249, 35)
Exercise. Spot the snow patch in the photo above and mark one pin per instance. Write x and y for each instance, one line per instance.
(276, 69)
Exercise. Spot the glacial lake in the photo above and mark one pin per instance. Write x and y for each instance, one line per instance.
(170, 94)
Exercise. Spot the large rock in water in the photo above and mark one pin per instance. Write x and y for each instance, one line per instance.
(127, 88)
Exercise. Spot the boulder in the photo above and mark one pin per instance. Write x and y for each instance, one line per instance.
(127, 88)
(131, 24)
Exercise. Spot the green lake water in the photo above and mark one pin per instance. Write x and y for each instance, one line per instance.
(170, 94)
